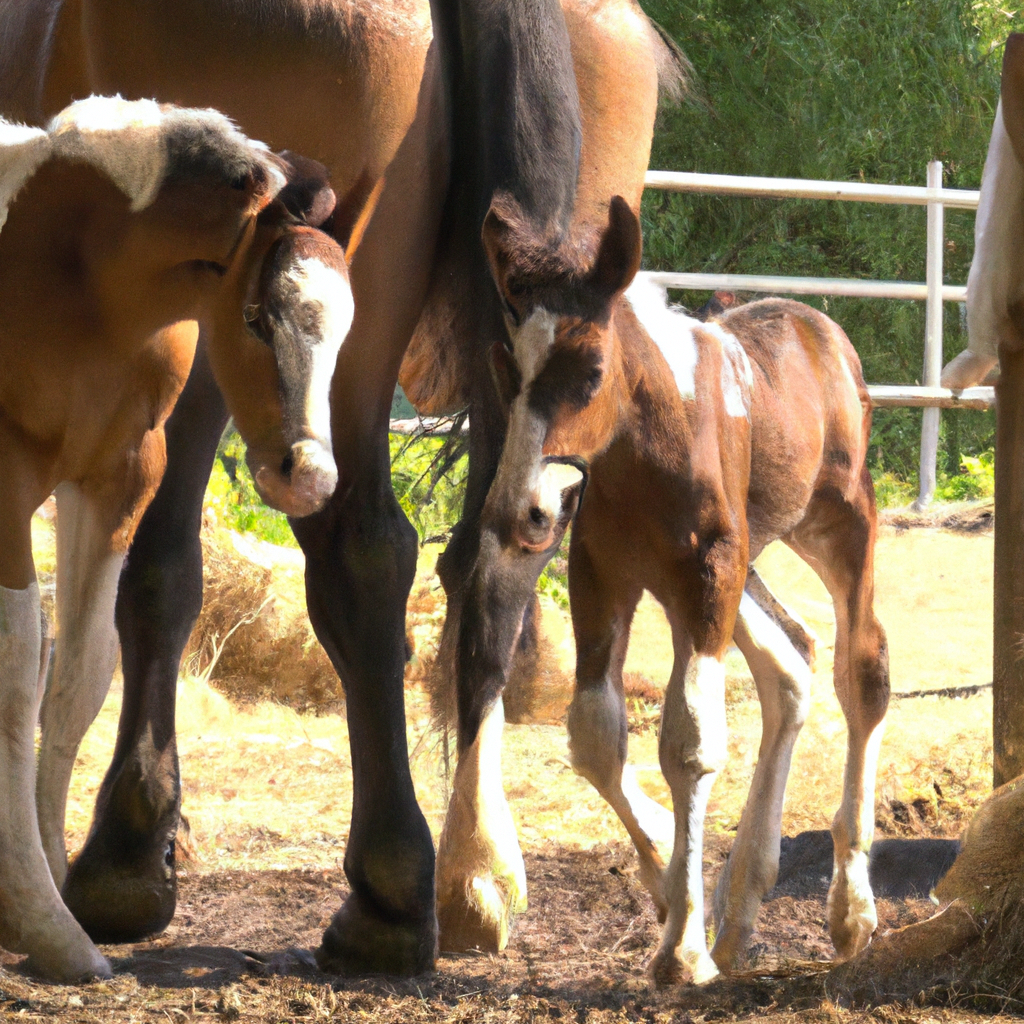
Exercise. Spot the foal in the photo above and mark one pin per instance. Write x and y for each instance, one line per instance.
(123, 224)
(734, 433)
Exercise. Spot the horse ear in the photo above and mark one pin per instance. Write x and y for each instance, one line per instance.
(618, 255)
(308, 194)
(495, 235)
(1012, 91)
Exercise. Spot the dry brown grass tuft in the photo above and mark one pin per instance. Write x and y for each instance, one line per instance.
(253, 639)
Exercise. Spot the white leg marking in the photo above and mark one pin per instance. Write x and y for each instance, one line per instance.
(784, 688)
(692, 751)
(851, 904)
(597, 725)
(84, 660)
(480, 872)
(32, 917)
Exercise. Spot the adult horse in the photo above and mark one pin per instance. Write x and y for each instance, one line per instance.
(356, 85)
(122, 224)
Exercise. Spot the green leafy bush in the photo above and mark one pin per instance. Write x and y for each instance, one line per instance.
(847, 92)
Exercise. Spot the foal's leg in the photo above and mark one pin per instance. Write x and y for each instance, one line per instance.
(602, 609)
(88, 566)
(122, 885)
(837, 538)
(692, 745)
(33, 919)
(783, 679)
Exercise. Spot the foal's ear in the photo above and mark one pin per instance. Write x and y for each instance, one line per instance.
(500, 226)
(308, 194)
(1012, 91)
(618, 254)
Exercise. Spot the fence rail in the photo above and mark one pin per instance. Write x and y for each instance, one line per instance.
(933, 196)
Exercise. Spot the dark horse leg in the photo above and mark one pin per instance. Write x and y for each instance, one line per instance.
(122, 886)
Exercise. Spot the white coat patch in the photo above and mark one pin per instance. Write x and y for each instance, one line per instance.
(670, 329)
(22, 150)
(127, 141)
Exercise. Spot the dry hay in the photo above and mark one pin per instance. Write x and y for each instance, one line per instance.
(253, 640)
(960, 516)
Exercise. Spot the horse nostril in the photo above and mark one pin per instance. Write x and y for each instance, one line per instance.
(287, 465)
(538, 516)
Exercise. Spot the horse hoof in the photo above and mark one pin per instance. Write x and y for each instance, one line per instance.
(361, 941)
(668, 969)
(69, 967)
(479, 916)
(851, 923)
(122, 903)
(728, 952)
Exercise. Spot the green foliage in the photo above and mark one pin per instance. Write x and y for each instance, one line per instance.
(429, 482)
(231, 497)
(816, 89)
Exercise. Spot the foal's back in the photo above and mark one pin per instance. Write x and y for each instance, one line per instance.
(810, 413)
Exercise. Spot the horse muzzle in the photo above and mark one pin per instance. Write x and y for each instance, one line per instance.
(552, 504)
(302, 482)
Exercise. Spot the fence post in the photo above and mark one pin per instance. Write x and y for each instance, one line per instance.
(932, 338)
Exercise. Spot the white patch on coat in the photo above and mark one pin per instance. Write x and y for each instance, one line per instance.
(126, 140)
(996, 279)
(330, 293)
(670, 329)
(22, 150)
(555, 479)
(737, 376)
(532, 343)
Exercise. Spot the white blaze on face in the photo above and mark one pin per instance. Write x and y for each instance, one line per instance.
(555, 479)
(670, 329)
(329, 296)
(520, 471)
(22, 150)
(127, 141)
(996, 278)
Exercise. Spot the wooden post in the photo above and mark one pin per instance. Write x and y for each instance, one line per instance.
(1008, 632)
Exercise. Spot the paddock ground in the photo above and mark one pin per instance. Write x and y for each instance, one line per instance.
(268, 797)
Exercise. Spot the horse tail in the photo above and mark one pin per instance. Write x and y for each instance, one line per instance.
(675, 72)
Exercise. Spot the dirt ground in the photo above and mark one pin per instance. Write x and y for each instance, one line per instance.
(268, 794)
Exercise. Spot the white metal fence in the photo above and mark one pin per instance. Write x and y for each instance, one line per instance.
(932, 291)
(928, 395)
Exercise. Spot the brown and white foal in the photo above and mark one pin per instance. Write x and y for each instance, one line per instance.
(705, 442)
(123, 225)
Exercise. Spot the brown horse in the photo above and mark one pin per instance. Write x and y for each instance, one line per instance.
(357, 85)
(748, 429)
(122, 225)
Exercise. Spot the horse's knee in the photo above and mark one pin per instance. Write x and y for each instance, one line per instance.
(872, 674)
(693, 729)
(598, 733)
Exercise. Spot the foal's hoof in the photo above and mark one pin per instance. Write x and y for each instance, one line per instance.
(668, 969)
(360, 941)
(852, 921)
(480, 915)
(117, 902)
(729, 951)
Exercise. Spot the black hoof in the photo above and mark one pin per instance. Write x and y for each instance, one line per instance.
(118, 901)
(360, 941)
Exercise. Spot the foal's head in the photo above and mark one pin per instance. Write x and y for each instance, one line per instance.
(559, 370)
